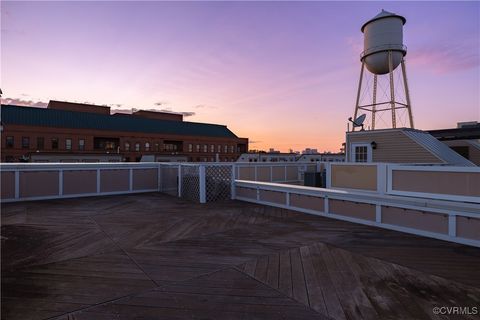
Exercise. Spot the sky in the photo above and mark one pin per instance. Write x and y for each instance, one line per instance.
(284, 74)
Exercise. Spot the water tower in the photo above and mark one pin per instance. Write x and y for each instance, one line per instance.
(383, 53)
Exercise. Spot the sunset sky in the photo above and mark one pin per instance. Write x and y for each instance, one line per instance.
(283, 74)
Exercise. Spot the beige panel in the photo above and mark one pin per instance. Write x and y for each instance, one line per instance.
(354, 176)
(352, 209)
(393, 146)
(454, 183)
(263, 174)
(278, 173)
(38, 184)
(246, 192)
(307, 202)
(433, 222)
(79, 181)
(114, 180)
(8, 185)
(145, 179)
(246, 173)
(273, 196)
(292, 173)
(468, 228)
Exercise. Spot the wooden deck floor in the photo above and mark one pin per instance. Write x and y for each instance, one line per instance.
(152, 256)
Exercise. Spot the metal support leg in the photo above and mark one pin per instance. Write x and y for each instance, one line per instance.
(392, 89)
(358, 93)
(407, 93)
(374, 105)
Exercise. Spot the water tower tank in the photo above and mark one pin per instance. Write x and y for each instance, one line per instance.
(382, 34)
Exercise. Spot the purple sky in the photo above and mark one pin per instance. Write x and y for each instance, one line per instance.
(284, 74)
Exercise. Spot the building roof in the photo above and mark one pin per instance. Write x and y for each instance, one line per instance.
(467, 132)
(42, 117)
(437, 148)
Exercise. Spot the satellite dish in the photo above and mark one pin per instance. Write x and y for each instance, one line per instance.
(358, 122)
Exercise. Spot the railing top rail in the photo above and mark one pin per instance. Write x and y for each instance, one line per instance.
(76, 165)
(365, 196)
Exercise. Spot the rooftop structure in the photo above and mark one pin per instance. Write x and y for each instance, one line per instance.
(76, 129)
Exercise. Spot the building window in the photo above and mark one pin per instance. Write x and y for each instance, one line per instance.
(137, 146)
(157, 147)
(212, 148)
(68, 144)
(190, 147)
(205, 148)
(9, 142)
(219, 148)
(25, 142)
(231, 149)
(40, 143)
(54, 143)
(361, 154)
(225, 148)
(198, 148)
(81, 144)
(147, 146)
(127, 146)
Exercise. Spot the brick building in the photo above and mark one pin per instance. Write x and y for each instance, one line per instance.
(71, 132)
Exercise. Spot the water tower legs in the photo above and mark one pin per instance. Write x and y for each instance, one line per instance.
(374, 106)
(407, 93)
(392, 89)
(357, 104)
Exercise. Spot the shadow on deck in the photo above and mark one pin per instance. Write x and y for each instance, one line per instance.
(159, 257)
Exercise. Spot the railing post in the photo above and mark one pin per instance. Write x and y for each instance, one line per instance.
(17, 184)
(284, 180)
(179, 179)
(130, 180)
(326, 205)
(98, 180)
(378, 213)
(255, 166)
(203, 185)
(381, 178)
(328, 173)
(60, 182)
(271, 173)
(452, 225)
(159, 177)
(232, 183)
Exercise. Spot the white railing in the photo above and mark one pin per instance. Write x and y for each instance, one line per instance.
(445, 220)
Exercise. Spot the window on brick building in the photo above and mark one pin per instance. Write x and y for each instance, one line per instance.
(68, 144)
(225, 148)
(40, 143)
(81, 144)
(205, 148)
(9, 142)
(137, 146)
(147, 146)
(25, 142)
(212, 148)
(127, 146)
(219, 148)
(157, 147)
(54, 143)
(190, 147)
(231, 149)
(198, 148)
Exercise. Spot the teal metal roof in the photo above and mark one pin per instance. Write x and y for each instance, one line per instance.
(42, 117)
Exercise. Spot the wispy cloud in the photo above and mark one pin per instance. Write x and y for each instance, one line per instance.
(204, 106)
(23, 102)
(442, 58)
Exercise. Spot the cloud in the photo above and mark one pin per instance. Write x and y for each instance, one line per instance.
(22, 102)
(204, 106)
(254, 141)
(441, 59)
(160, 103)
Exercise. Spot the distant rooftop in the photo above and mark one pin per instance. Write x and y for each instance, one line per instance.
(99, 118)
